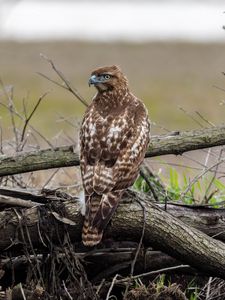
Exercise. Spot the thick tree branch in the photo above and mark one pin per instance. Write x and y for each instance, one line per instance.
(64, 156)
(162, 231)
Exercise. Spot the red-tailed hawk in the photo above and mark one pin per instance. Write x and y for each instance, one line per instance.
(113, 139)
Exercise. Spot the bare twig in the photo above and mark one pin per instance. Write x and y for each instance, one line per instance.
(51, 177)
(17, 202)
(181, 166)
(111, 286)
(194, 180)
(204, 119)
(66, 84)
(208, 288)
(1, 143)
(141, 239)
(190, 116)
(22, 291)
(32, 248)
(27, 120)
(207, 158)
(164, 270)
(35, 130)
(138, 248)
(145, 177)
(100, 286)
(11, 109)
(218, 87)
(214, 176)
(66, 290)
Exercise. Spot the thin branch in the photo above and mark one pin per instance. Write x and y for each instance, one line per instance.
(27, 120)
(214, 176)
(17, 202)
(66, 290)
(138, 248)
(149, 183)
(22, 291)
(35, 130)
(190, 116)
(208, 288)
(111, 286)
(50, 178)
(100, 286)
(141, 239)
(219, 88)
(207, 158)
(181, 165)
(11, 110)
(204, 119)
(24, 108)
(153, 273)
(67, 84)
(1, 142)
(53, 81)
(194, 180)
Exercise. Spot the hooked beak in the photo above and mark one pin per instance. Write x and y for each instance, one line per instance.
(93, 80)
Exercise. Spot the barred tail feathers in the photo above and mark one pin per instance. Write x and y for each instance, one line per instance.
(91, 235)
(100, 209)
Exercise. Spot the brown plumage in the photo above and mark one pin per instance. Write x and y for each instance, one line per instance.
(113, 139)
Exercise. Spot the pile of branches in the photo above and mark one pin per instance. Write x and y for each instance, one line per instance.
(41, 254)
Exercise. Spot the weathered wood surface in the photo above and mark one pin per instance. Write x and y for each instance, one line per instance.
(163, 231)
(174, 143)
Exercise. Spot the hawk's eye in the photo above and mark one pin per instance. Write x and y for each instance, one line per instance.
(107, 76)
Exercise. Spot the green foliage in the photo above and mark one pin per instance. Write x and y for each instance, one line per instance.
(160, 282)
(175, 188)
(141, 185)
(193, 296)
(207, 189)
(192, 290)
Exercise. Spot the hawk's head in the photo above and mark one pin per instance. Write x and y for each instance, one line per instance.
(108, 78)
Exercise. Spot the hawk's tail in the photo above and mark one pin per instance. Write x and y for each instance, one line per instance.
(99, 210)
(91, 235)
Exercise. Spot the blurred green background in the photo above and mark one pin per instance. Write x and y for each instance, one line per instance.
(168, 76)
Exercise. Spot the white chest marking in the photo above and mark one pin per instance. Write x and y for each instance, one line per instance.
(92, 129)
(114, 132)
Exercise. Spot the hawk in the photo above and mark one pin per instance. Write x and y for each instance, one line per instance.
(114, 137)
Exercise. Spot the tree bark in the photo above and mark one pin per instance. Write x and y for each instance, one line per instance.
(206, 219)
(174, 143)
(163, 231)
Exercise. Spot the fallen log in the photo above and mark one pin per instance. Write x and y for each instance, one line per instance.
(162, 231)
(174, 143)
(202, 217)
